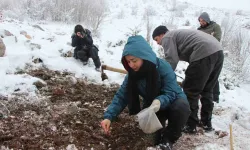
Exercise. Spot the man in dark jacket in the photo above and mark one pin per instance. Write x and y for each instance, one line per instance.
(205, 57)
(82, 40)
(214, 29)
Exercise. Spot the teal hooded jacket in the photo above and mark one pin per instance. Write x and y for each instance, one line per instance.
(168, 87)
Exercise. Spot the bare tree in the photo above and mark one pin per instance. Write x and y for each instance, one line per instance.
(148, 13)
(134, 31)
(229, 26)
(173, 4)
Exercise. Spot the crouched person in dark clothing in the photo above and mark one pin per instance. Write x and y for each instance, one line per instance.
(82, 40)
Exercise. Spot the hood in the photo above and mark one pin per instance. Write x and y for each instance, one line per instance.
(137, 46)
(205, 17)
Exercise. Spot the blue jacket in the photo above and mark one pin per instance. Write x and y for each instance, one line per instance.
(168, 87)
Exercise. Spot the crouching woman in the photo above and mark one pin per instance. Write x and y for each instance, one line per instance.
(154, 80)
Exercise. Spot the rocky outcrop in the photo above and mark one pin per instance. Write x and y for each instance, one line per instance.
(2, 48)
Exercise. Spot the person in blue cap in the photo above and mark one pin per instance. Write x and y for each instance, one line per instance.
(155, 81)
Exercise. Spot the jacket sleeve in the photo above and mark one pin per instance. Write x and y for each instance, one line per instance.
(75, 41)
(88, 38)
(169, 88)
(170, 51)
(217, 32)
(118, 103)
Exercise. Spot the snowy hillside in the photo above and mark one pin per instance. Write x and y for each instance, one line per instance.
(78, 90)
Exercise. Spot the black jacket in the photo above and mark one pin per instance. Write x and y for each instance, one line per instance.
(82, 43)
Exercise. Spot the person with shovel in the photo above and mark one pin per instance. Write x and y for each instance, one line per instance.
(205, 57)
(154, 80)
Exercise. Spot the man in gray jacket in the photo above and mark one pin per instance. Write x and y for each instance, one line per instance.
(205, 57)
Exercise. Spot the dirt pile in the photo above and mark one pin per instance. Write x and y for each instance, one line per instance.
(69, 112)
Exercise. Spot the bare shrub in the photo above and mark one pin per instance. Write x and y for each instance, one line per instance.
(235, 40)
(96, 16)
(170, 22)
(89, 12)
(149, 11)
(187, 23)
(239, 55)
(134, 31)
(239, 12)
(197, 13)
(179, 13)
(121, 15)
(182, 6)
(228, 26)
(134, 10)
(172, 5)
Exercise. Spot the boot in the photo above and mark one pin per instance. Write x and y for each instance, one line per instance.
(189, 129)
(208, 126)
(165, 146)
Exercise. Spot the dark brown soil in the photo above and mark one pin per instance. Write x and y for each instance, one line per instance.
(69, 112)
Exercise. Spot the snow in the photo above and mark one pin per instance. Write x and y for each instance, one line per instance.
(234, 106)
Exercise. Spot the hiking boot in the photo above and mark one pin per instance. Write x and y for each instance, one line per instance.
(165, 146)
(189, 129)
(206, 126)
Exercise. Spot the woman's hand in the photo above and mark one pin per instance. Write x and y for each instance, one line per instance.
(79, 34)
(106, 126)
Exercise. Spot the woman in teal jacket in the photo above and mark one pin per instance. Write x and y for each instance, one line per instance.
(154, 80)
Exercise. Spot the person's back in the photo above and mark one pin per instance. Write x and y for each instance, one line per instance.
(191, 45)
(205, 57)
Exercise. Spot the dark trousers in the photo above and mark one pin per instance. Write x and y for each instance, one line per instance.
(85, 54)
(177, 115)
(201, 79)
(216, 92)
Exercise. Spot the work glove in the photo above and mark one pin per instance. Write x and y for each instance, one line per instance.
(156, 104)
(106, 125)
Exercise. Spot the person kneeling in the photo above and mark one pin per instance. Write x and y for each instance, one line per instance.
(154, 80)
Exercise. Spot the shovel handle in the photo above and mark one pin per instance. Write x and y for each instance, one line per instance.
(105, 67)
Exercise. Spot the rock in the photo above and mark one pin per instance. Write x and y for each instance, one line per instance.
(37, 60)
(58, 91)
(23, 32)
(2, 48)
(35, 46)
(60, 33)
(221, 134)
(52, 39)
(38, 27)
(39, 84)
(69, 43)
(72, 80)
(27, 36)
(67, 54)
(7, 33)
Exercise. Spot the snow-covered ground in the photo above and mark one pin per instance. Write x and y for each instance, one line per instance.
(234, 106)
